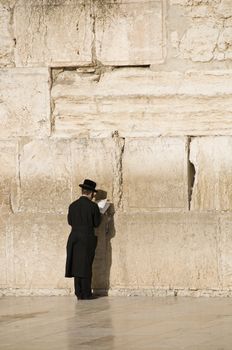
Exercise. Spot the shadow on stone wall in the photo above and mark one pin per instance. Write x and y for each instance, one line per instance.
(103, 256)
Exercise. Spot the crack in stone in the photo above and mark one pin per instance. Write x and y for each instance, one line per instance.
(191, 175)
(118, 171)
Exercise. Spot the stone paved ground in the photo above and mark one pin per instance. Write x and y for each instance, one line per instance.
(31, 323)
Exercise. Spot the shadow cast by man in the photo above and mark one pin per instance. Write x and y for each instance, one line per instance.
(103, 256)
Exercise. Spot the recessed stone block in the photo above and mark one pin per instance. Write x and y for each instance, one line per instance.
(212, 159)
(155, 173)
(45, 176)
(130, 33)
(139, 102)
(60, 33)
(165, 251)
(25, 105)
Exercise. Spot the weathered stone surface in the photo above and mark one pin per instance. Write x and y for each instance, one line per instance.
(225, 43)
(60, 33)
(155, 173)
(8, 174)
(45, 177)
(38, 250)
(205, 31)
(139, 102)
(119, 38)
(24, 102)
(165, 250)
(199, 42)
(105, 123)
(93, 159)
(225, 245)
(212, 159)
(51, 171)
(196, 3)
(224, 8)
(6, 37)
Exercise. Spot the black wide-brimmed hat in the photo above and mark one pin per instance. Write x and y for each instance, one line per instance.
(88, 185)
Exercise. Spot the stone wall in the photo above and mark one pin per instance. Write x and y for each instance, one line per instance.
(136, 95)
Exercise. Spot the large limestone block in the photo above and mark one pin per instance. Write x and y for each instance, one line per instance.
(6, 37)
(9, 172)
(45, 177)
(212, 159)
(139, 102)
(225, 246)
(165, 251)
(38, 250)
(25, 105)
(155, 173)
(130, 33)
(94, 159)
(60, 33)
(51, 171)
(200, 41)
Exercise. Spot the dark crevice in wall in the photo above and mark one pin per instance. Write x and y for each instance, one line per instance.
(118, 170)
(191, 175)
(52, 78)
(145, 66)
(93, 16)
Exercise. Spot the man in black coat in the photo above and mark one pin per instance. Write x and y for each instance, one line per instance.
(83, 217)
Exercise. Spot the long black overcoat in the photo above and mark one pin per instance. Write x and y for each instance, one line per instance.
(83, 216)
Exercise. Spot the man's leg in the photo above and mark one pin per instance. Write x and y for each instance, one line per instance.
(77, 286)
(86, 287)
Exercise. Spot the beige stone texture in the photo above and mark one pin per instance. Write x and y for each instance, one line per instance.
(45, 177)
(225, 247)
(212, 159)
(224, 8)
(6, 37)
(140, 102)
(155, 173)
(203, 33)
(94, 159)
(37, 251)
(119, 38)
(24, 102)
(60, 33)
(199, 42)
(169, 251)
(8, 174)
(225, 43)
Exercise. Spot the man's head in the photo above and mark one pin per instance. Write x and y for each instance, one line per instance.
(87, 193)
(88, 188)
